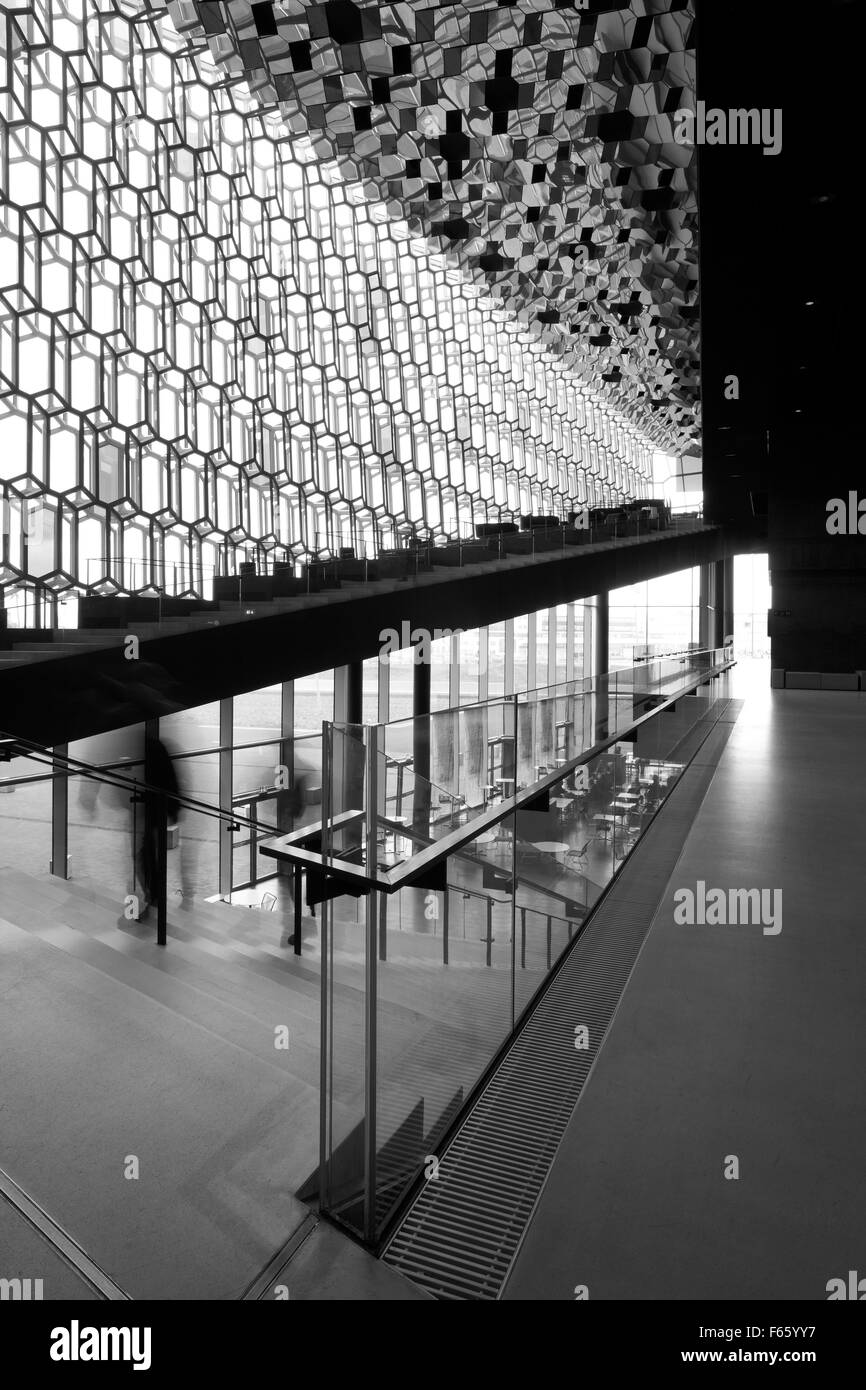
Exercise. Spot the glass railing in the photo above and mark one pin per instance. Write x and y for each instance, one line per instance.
(446, 768)
(442, 867)
(441, 919)
(333, 557)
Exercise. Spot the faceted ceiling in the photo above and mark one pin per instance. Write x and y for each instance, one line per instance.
(532, 141)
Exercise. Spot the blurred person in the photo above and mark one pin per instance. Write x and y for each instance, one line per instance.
(291, 805)
(105, 853)
(161, 798)
(655, 794)
(120, 751)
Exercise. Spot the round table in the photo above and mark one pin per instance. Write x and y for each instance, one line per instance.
(550, 847)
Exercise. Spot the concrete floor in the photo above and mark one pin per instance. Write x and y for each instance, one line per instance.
(25, 1255)
(732, 1043)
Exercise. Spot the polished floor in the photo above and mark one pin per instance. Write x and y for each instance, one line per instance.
(719, 1147)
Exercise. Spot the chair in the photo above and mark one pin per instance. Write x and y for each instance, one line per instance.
(576, 858)
(625, 845)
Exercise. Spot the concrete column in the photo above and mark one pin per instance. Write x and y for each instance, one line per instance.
(531, 652)
(483, 662)
(226, 792)
(383, 706)
(724, 601)
(601, 662)
(552, 619)
(585, 675)
(60, 816)
(347, 764)
(706, 607)
(453, 674)
(349, 693)
(287, 713)
(285, 759)
(371, 967)
(729, 597)
(421, 742)
(285, 796)
(509, 656)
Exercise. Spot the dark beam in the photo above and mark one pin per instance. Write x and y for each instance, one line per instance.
(79, 696)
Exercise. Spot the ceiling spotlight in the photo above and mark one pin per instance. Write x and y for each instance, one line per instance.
(810, 303)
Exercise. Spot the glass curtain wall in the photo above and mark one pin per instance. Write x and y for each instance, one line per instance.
(655, 614)
(344, 385)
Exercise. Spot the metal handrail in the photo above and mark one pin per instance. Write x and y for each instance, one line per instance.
(522, 907)
(551, 692)
(597, 682)
(196, 572)
(77, 767)
(393, 880)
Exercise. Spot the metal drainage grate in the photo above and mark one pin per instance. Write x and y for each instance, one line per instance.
(459, 1238)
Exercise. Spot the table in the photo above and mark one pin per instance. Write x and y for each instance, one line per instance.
(548, 847)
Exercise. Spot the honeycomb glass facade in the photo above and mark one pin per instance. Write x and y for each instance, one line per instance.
(213, 347)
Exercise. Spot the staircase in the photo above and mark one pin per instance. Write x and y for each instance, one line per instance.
(112, 1050)
(114, 1047)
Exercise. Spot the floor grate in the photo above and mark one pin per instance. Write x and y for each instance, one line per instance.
(460, 1236)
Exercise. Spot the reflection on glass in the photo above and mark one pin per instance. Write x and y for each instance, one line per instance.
(457, 944)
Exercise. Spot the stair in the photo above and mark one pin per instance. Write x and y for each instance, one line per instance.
(213, 998)
(111, 1047)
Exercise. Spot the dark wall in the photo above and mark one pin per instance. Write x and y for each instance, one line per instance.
(779, 309)
(826, 629)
